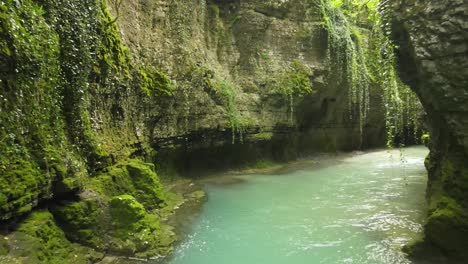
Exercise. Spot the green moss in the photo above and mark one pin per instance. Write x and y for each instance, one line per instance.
(30, 114)
(126, 210)
(10, 260)
(415, 247)
(448, 222)
(133, 177)
(448, 207)
(294, 81)
(42, 241)
(113, 214)
(20, 187)
(262, 164)
(426, 139)
(79, 220)
(361, 59)
(113, 55)
(261, 136)
(228, 94)
(4, 248)
(153, 82)
(118, 224)
(291, 83)
(134, 231)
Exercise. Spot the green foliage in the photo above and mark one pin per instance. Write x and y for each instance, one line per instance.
(134, 231)
(44, 242)
(79, 220)
(294, 81)
(346, 59)
(363, 59)
(55, 56)
(121, 225)
(401, 104)
(32, 141)
(115, 214)
(20, 187)
(126, 211)
(224, 93)
(131, 177)
(154, 82)
(227, 92)
(425, 139)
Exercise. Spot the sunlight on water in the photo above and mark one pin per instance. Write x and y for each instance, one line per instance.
(350, 209)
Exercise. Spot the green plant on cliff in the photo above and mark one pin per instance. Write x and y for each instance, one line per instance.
(133, 177)
(118, 211)
(134, 230)
(154, 82)
(293, 82)
(32, 142)
(360, 55)
(56, 60)
(226, 90)
(401, 104)
(40, 240)
(345, 58)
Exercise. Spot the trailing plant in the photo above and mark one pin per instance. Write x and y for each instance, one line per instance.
(345, 58)
(55, 56)
(361, 56)
(401, 104)
(226, 90)
(294, 81)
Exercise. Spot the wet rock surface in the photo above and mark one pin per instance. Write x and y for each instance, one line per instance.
(433, 58)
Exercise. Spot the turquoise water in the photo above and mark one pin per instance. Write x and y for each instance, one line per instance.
(347, 209)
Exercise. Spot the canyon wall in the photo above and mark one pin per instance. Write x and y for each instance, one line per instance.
(94, 93)
(433, 60)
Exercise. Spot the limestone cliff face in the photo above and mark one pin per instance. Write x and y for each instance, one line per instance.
(433, 37)
(248, 44)
(89, 89)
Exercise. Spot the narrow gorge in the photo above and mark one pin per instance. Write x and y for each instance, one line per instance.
(114, 113)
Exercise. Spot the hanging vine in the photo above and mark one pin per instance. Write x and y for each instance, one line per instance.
(345, 58)
(360, 55)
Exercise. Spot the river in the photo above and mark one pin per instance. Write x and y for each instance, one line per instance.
(349, 208)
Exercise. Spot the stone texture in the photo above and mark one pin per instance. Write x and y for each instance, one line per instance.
(245, 42)
(433, 59)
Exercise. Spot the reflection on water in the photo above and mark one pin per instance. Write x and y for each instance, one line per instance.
(347, 209)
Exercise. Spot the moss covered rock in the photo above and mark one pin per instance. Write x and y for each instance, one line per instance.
(134, 177)
(116, 212)
(39, 240)
(20, 189)
(134, 230)
(80, 221)
(446, 223)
